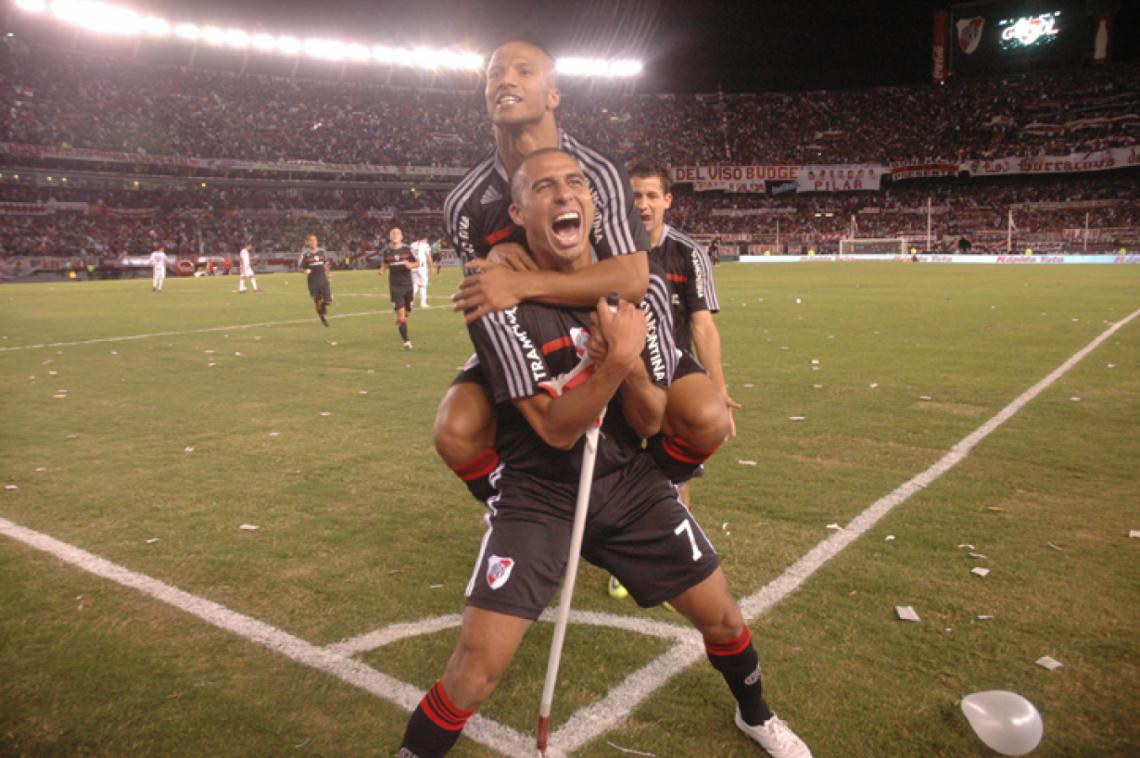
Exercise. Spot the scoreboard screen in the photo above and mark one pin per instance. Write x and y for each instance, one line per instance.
(1015, 34)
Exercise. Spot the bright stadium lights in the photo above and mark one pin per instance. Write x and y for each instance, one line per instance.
(598, 67)
(212, 35)
(32, 6)
(236, 38)
(188, 32)
(359, 53)
(156, 27)
(289, 45)
(266, 43)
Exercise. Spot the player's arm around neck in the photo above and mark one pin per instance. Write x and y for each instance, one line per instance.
(499, 287)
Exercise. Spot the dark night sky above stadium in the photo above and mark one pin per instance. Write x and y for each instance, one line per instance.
(692, 46)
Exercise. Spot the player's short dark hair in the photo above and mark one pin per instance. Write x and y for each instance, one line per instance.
(537, 46)
(644, 168)
(516, 175)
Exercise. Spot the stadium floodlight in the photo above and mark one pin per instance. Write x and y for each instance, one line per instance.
(212, 35)
(425, 58)
(359, 53)
(156, 27)
(188, 31)
(32, 6)
(236, 38)
(266, 43)
(289, 45)
(598, 67)
(325, 49)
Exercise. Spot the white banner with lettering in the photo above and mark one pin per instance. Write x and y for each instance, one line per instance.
(1098, 160)
(732, 178)
(840, 178)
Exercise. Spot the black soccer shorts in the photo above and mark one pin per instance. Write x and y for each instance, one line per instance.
(401, 298)
(636, 529)
(321, 291)
(687, 364)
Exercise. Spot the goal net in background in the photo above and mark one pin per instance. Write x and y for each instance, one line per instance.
(892, 245)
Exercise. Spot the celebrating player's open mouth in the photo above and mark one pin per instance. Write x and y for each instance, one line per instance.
(566, 230)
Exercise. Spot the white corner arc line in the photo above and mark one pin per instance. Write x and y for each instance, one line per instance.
(204, 330)
(406, 696)
(604, 715)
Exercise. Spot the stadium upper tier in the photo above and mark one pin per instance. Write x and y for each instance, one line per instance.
(55, 98)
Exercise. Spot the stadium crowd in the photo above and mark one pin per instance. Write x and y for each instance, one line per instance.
(65, 99)
(83, 101)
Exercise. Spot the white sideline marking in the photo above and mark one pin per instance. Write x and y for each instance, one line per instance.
(602, 716)
(131, 337)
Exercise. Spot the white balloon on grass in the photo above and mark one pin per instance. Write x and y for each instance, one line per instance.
(1008, 723)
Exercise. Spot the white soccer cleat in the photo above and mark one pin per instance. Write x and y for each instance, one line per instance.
(407, 345)
(775, 736)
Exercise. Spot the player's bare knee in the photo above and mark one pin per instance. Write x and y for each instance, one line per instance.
(464, 426)
(696, 412)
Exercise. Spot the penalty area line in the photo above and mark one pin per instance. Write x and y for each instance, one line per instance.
(604, 715)
(204, 330)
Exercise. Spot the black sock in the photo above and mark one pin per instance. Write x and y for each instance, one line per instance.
(434, 726)
(476, 473)
(403, 327)
(738, 663)
(679, 460)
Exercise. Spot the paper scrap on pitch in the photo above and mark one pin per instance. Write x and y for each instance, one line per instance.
(835, 527)
(249, 527)
(1047, 662)
(188, 450)
(817, 386)
(435, 586)
(1075, 399)
(979, 571)
(746, 463)
(41, 469)
(152, 540)
(326, 413)
(363, 392)
(815, 361)
(1134, 533)
(925, 397)
(796, 418)
(906, 613)
(275, 434)
(979, 556)
(749, 386)
(630, 751)
(966, 545)
(1054, 546)
(889, 538)
(985, 617)
(872, 385)
(11, 487)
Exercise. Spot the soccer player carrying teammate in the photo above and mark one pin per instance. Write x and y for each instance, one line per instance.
(521, 94)
(636, 527)
(158, 268)
(245, 268)
(315, 262)
(399, 259)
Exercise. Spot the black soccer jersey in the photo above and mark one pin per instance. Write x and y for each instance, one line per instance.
(691, 288)
(476, 210)
(314, 261)
(399, 275)
(525, 347)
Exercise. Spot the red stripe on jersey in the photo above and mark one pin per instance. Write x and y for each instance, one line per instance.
(732, 647)
(500, 235)
(479, 466)
(557, 344)
(580, 379)
(677, 278)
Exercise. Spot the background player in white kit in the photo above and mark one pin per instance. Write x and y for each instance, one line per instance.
(422, 250)
(245, 269)
(158, 267)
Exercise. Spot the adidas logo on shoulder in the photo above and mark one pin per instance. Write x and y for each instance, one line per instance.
(492, 195)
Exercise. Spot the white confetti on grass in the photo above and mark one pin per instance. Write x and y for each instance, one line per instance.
(979, 571)
(152, 540)
(835, 527)
(1075, 399)
(925, 397)
(11, 487)
(889, 538)
(249, 527)
(1133, 533)
(873, 385)
(984, 617)
(326, 413)
(188, 450)
(796, 418)
(41, 469)
(744, 462)
(1047, 662)
(275, 434)
(906, 613)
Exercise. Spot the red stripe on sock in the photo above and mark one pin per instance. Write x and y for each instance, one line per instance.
(677, 448)
(732, 647)
(443, 713)
(481, 465)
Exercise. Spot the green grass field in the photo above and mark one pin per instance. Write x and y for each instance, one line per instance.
(322, 438)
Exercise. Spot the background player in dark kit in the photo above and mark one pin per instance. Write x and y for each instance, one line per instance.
(399, 260)
(521, 95)
(314, 261)
(637, 528)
